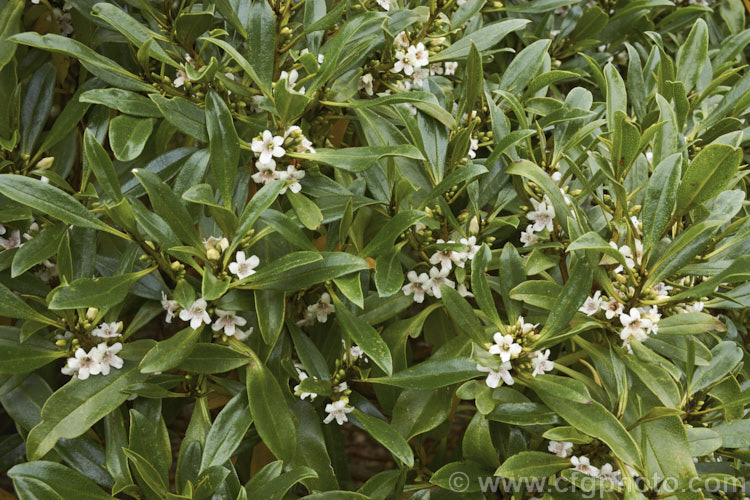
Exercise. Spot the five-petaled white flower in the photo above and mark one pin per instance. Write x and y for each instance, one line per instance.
(540, 362)
(421, 56)
(450, 68)
(268, 146)
(228, 321)
(560, 448)
(294, 175)
(505, 346)
(266, 172)
(436, 69)
(582, 464)
(13, 242)
(417, 285)
(473, 147)
(439, 276)
(83, 364)
(607, 473)
(612, 308)
(107, 330)
(405, 61)
(322, 308)
(338, 410)
(543, 215)
(107, 356)
(196, 314)
(243, 267)
(356, 352)
(446, 258)
(171, 306)
(529, 237)
(634, 325)
(525, 327)
(494, 377)
(471, 246)
(592, 304)
(385, 4)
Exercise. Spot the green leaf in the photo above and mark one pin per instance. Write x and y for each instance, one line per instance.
(51, 201)
(224, 145)
(10, 17)
(99, 65)
(11, 306)
(307, 211)
(55, 479)
(213, 288)
(36, 107)
(208, 359)
(124, 101)
(423, 101)
(391, 231)
(304, 269)
(270, 306)
(703, 441)
(169, 353)
(43, 246)
(365, 336)
(101, 164)
(463, 315)
(244, 64)
(386, 435)
(357, 159)
(100, 292)
(692, 56)
(252, 211)
(431, 374)
(268, 406)
(572, 296)
(532, 464)
(276, 488)
(524, 66)
(226, 432)
(707, 175)
(692, 323)
(588, 416)
(617, 99)
(137, 33)
(734, 434)
(389, 277)
(484, 39)
(16, 357)
(726, 356)
(661, 199)
(78, 405)
(148, 472)
(128, 136)
(183, 114)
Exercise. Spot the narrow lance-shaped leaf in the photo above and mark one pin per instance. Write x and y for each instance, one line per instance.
(224, 145)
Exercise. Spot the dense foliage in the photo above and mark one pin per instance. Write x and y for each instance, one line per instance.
(374, 249)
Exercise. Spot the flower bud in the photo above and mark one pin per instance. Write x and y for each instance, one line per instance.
(213, 254)
(45, 163)
(91, 313)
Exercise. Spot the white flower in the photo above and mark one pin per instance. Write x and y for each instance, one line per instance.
(543, 215)
(494, 377)
(302, 376)
(607, 473)
(385, 4)
(541, 363)
(473, 146)
(505, 346)
(419, 77)
(171, 306)
(365, 83)
(228, 321)
(322, 308)
(592, 304)
(560, 448)
(661, 289)
(582, 464)
(438, 276)
(242, 335)
(471, 246)
(266, 172)
(401, 40)
(294, 175)
(446, 258)
(421, 56)
(417, 285)
(463, 291)
(290, 77)
(196, 314)
(268, 146)
(48, 271)
(83, 364)
(107, 356)
(404, 62)
(213, 242)
(450, 68)
(651, 314)
(557, 176)
(356, 352)
(691, 308)
(525, 328)
(529, 237)
(649, 156)
(243, 267)
(308, 319)
(107, 330)
(627, 253)
(461, 2)
(13, 242)
(338, 410)
(612, 308)
(436, 69)
(634, 325)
